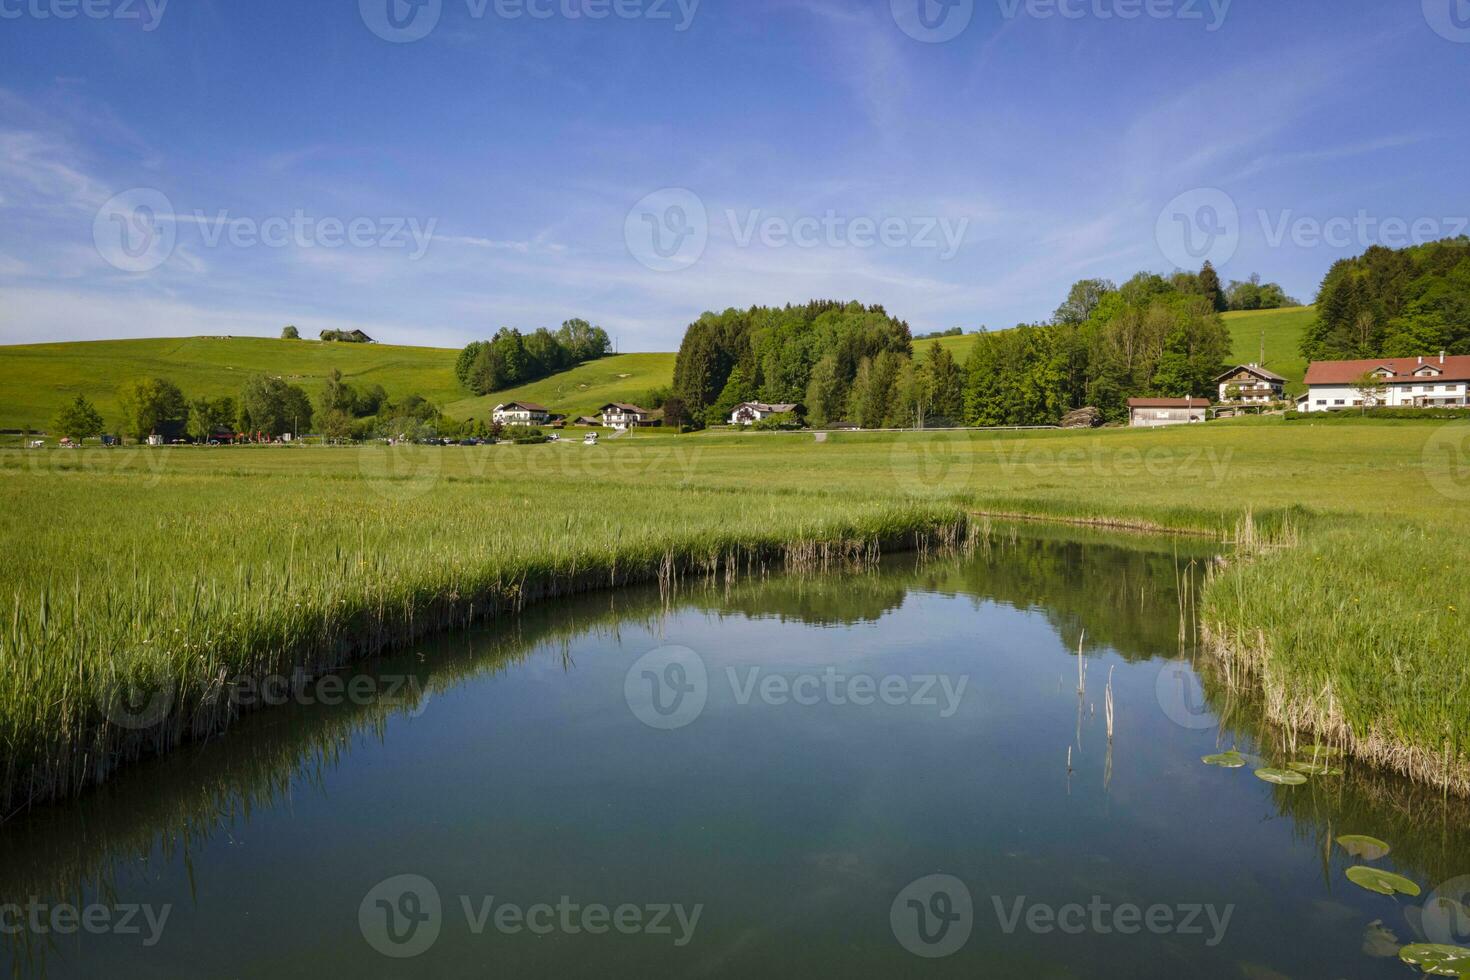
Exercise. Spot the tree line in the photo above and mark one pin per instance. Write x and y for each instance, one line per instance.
(266, 407)
(853, 363)
(511, 358)
(1394, 303)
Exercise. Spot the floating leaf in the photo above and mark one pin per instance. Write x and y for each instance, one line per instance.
(1382, 882)
(1281, 777)
(1225, 760)
(1439, 960)
(1315, 769)
(1363, 847)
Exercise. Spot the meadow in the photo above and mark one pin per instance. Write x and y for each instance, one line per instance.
(38, 379)
(144, 580)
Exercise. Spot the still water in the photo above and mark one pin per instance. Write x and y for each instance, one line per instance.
(858, 775)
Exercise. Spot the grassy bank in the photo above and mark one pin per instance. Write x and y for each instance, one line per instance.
(155, 576)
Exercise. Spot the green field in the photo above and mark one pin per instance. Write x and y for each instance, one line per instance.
(1283, 330)
(582, 390)
(173, 569)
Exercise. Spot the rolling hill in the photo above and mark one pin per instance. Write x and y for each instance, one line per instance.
(37, 379)
(1282, 330)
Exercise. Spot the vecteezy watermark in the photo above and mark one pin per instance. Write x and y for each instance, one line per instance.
(668, 688)
(1098, 461)
(1446, 460)
(1181, 695)
(1449, 18)
(138, 231)
(1198, 226)
(1360, 231)
(833, 230)
(148, 13)
(38, 918)
(406, 21)
(1446, 916)
(404, 916)
(934, 917)
(1211, 13)
(669, 230)
(135, 231)
(330, 691)
(932, 21)
(1206, 224)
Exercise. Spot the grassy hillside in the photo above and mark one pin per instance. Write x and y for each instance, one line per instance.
(582, 390)
(37, 379)
(1283, 331)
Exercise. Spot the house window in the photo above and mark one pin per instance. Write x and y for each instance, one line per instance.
(1339, 401)
(1321, 401)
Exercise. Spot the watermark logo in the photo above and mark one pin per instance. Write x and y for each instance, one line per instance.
(402, 916)
(932, 21)
(1446, 460)
(1102, 918)
(1449, 18)
(396, 691)
(1211, 13)
(136, 231)
(401, 21)
(936, 464)
(1446, 917)
(668, 230)
(1182, 696)
(1360, 231)
(139, 702)
(149, 13)
(667, 688)
(64, 919)
(1198, 226)
(400, 471)
(933, 917)
(834, 230)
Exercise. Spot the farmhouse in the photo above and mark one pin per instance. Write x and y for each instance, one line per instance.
(1401, 382)
(621, 416)
(1251, 384)
(521, 413)
(1154, 412)
(749, 413)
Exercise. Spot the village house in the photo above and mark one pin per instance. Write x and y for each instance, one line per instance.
(522, 414)
(1251, 384)
(1402, 382)
(587, 421)
(749, 413)
(1153, 412)
(621, 416)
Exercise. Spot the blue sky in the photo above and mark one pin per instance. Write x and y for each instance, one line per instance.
(508, 170)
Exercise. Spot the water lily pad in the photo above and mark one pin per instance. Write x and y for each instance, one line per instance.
(1363, 847)
(1315, 769)
(1226, 760)
(1439, 960)
(1382, 882)
(1281, 777)
(1379, 941)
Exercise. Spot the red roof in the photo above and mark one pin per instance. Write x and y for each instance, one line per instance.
(1456, 368)
(1168, 403)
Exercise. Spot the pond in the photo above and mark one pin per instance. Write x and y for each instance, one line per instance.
(878, 773)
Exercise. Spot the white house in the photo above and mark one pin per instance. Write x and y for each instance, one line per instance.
(1403, 382)
(1251, 384)
(1148, 413)
(522, 414)
(622, 416)
(749, 413)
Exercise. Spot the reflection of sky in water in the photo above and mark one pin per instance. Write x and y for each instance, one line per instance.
(528, 777)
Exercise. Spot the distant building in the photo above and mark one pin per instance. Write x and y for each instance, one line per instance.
(521, 413)
(1147, 413)
(621, 416)
(587, 421)
(749, 413)
(1403, 382)
(1251, 384)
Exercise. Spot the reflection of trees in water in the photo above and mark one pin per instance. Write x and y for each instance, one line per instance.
(1429, 832)
(1124, 597)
